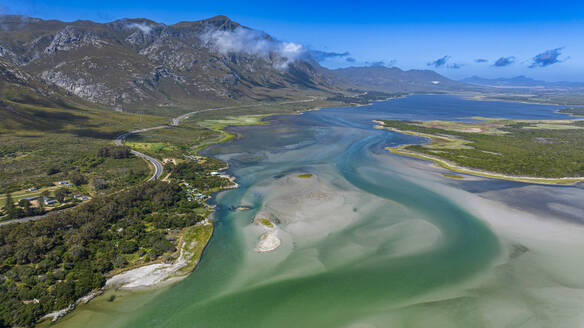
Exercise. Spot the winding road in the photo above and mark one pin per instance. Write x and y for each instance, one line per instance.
(158, 168)
(156, 163)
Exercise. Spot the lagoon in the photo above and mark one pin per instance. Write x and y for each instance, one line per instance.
(371, 239)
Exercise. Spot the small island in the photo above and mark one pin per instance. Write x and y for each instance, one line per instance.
(269, 240)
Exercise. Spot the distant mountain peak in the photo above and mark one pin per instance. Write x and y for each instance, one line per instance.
(219, 22)
(520, 81)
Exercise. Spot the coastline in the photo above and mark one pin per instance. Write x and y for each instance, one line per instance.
(155, 274)
(160, 274)
(141, 273)
(259, 120)
(480, 97)
(152, 275)
(400, 150)
(576, 116)
(414, 238)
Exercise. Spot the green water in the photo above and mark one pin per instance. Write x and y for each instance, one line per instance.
(405, 259)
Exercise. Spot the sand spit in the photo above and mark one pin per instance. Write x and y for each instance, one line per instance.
(449, 165)
(297, 211)
(269, 240)
(154, 275)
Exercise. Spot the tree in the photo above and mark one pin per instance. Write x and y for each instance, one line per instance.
(10, 209)
(121, 152)
(103, 152)
(25, 204)
(9, 203)
(78, 179)
(61, 194)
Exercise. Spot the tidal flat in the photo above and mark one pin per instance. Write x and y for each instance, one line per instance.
(371, 239)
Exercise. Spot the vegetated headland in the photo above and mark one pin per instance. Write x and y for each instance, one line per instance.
(534, 151)
(575, 111)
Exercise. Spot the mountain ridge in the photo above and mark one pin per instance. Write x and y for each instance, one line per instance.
(520, 81)
(134, 63)
(394, 79)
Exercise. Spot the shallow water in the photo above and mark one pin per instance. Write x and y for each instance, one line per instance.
(386, 241)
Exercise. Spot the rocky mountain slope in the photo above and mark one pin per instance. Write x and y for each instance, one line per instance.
(136, 62)
(28, 103)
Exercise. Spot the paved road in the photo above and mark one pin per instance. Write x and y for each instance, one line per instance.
(176, 121)
(158, 168)
(26, 219)
(156, 163)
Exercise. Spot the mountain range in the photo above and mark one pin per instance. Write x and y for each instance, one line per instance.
(520, 81)
(135, 63)
(393, 79)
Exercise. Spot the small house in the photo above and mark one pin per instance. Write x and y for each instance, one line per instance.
(49, 201)
(29, 198)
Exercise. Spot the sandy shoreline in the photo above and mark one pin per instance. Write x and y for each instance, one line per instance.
(160, 274)
(268, 241)
(54, 316)
(153, 275)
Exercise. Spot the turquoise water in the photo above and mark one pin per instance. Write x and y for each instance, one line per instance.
(363, 243)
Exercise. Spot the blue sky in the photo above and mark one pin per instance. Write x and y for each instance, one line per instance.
(540, 39)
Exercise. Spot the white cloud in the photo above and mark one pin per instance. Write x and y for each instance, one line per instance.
(242, 40)
(140, 26)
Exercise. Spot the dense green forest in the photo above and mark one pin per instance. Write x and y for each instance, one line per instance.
(46, 265)
(524, 150)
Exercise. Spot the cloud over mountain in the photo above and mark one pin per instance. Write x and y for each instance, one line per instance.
(546, 58)
(252, 42)
(504, 61)
(140, 26)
